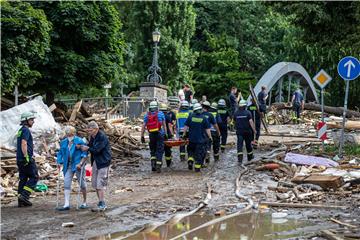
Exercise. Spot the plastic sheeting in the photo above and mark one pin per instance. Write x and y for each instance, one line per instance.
(309, 160)
(10, 122)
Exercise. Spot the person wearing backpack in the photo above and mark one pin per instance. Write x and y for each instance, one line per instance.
(154, 122)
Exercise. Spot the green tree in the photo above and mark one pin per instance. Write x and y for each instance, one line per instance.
(325, 32)
(86, 47)
(237, 42)
(25, 39)
(176, 22)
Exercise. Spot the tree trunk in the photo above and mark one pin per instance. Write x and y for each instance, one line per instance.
(337, 111)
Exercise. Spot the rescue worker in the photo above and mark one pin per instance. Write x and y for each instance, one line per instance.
(181, 117)
(215, 133)
(199, 133)
(193, 101)
(72, 159)
(255, 114)
(169, 135)
(298, 103)
(154, 121)
(223, 125)
(213, 125)
(244, 124)
(28, 173)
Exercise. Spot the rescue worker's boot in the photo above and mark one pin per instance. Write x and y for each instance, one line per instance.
(23, 198)
(207, 158)
(250, 157)
(182, 156)
(197, 167)
(168, 161)
(22, 203)
(158, 166)
(190, 163)
(153, 164)
(216, 157)
(240, 158)
(222, 148)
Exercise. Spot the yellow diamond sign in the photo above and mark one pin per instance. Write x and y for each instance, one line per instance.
(322, 78)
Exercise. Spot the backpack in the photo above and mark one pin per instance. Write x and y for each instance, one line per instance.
(153, 124)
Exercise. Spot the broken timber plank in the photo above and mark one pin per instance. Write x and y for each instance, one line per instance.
(329, 235)
(75, 110)
(324, 181)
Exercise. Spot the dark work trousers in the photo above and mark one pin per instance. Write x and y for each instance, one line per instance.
(247, 137)
(28, 177)
(191, 151)
(215, 144)
(199, 150)
(182, 148)
(168, 156)
(156, 146)
(297, 109)
(224, 135)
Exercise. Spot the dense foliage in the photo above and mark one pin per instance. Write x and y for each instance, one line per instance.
(74, 48)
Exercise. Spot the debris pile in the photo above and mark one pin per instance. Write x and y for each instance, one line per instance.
(307, 179)
(119, 130)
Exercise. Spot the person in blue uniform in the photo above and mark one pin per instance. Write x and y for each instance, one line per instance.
(169, 118)
(215, 133)
(154, 121)
(181, 117)
(298, 103)
(213, 127)
(199, 133)
(28, 173)
(223, 125)
(255, 113)
(244, 131)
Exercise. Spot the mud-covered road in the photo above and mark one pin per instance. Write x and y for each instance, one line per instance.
(137, 197)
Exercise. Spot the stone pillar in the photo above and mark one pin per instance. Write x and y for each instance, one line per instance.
(154, 90)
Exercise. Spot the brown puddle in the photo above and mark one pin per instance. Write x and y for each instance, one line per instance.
(244, 227)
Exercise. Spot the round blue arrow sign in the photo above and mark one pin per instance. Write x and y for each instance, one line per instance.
(349, 68)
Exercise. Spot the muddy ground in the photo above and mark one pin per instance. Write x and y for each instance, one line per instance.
(148, 197)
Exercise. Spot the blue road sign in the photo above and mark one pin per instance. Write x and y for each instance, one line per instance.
(349, 68)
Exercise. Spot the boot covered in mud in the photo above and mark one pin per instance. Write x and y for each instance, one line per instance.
(240, 158)
(250, 157)
(216, 157)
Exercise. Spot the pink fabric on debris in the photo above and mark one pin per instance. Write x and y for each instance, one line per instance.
(309, 160)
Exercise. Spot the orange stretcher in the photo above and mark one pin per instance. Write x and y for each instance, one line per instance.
(176, 142)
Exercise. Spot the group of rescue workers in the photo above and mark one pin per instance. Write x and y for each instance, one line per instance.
(205, 126)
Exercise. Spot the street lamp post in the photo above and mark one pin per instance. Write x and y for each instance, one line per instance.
(154, 68)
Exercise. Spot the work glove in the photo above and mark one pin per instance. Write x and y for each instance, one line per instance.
(142, 139)
(27, 160)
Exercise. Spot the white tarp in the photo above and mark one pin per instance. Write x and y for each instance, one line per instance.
(10, 121)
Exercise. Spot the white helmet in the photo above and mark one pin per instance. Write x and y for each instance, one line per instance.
(153, 106)
(222, 103)
(242, 103)
(197, 106)
(184, 104)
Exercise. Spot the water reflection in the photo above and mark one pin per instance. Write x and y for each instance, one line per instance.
(244, 227)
